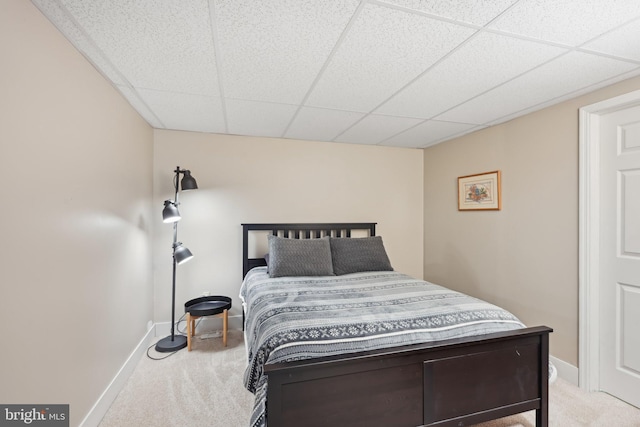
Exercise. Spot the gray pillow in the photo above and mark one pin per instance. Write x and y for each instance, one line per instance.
(299, 257)
(353, 255)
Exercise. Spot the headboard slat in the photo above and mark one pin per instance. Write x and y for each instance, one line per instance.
(295, 230)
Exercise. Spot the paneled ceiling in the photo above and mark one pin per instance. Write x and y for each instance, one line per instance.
(409, 73)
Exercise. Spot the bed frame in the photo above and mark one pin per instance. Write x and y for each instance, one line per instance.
(456, 382)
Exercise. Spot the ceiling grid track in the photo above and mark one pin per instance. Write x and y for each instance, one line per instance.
(402, 73)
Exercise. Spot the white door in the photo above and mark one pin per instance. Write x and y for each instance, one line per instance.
(619, 284)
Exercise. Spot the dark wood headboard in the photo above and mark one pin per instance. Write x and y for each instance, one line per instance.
(299, 231)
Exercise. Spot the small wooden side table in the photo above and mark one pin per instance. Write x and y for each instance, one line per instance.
(217, 305)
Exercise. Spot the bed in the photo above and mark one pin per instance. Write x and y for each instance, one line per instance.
(380, 369)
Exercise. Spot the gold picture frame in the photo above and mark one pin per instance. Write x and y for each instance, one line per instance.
(480, 192)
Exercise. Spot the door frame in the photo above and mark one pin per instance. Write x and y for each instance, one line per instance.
(588, 235)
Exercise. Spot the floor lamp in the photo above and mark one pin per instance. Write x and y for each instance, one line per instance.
(181, 254)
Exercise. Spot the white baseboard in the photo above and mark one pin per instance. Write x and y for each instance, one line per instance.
(162, 329)
(104, 402)
(566, 371)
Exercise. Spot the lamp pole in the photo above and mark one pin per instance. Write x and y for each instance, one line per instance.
(173, 255)
(176, 342)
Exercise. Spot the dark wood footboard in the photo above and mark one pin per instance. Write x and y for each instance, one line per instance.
(456, 382)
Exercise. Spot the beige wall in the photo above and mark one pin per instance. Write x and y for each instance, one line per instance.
(76, 287)
(86, 178)
(524, 257)
(245, 179)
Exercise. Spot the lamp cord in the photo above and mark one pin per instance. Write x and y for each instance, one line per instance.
(176, 178)
(181, 319)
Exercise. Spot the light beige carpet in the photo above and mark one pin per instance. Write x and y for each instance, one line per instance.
(203, 388)
(199, 388)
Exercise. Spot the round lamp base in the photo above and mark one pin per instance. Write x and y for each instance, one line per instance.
(170, 344)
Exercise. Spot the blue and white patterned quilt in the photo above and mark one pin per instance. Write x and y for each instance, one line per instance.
(293, 318)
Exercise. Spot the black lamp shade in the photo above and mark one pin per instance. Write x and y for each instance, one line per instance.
(170, 212)
(188, 182)
(182, 254)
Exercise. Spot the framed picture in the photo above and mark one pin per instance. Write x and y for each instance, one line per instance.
(479, 192)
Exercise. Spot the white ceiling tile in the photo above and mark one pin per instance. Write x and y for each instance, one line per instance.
(428, 133)
(141, 107)
(308, 69)
(258, 118)
(185, 111)
(481, 64)
(476, 12)
(384, 50)
(67, 26)
(320, 124)
(570, 22)
(376, 128)
(623, 42)
(157, 44)
(273, 50)
(559, 77)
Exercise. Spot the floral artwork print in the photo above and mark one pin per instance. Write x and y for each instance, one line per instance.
(478, 192)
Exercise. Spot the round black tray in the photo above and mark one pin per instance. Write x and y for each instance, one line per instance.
(207, 306)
